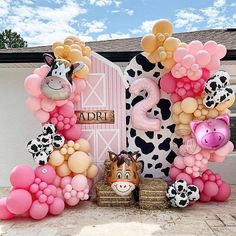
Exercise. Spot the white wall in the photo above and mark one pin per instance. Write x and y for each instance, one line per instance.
(18, 126)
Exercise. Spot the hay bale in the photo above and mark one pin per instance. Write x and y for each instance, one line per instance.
(152, 194)
(106, 197)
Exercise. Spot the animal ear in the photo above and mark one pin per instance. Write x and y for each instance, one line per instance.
(194, 124)
(49, 59)
(135, 155)
(78, 66)
(225, 118)
(112, 155)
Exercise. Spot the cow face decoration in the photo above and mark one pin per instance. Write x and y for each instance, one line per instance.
(123, 176)
(57, 85)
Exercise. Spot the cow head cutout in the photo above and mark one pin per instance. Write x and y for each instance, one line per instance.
(57, 85)
(124, 173)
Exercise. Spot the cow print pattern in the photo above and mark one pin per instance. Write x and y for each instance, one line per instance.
(158, 149)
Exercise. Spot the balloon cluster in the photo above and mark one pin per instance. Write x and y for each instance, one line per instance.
(74, 50)
(180, 194)
(45, 143)
(160, 46)
(73, 158)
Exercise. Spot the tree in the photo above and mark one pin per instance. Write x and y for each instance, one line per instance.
(10, 39)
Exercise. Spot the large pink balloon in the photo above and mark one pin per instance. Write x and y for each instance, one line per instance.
(57, 207)
(214, 64)
(38, 210)
(73, 133)
(79, 85)
(195, 46)
(48, 104)
(79, 182)
(32, 84)
(210, 46)
(223, 193)
(22, 176)
(5, 214)
(33, 103)
(42, 71)
(46, 173)
(210, 189)
(203, 58)
(221, 51)
(185, 177)
(67, 110)
(65, 180)
(199, 183)
(174, 172)
(168, 83)
(179, 162)
(42, 116)
(19, 201)
(73, 201)
(180, 53)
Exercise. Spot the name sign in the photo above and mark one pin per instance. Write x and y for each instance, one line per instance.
(95, 117)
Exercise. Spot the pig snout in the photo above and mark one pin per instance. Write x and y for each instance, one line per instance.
(213, 140)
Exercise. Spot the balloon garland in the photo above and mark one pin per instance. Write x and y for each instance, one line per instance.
(201, 96)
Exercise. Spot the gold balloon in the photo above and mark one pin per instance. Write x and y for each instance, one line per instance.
(171, 44)
(56, 44)
(82, 74)
(63, 170)
(86, 51)
(149, 43)
(56, 158)
(92, 171)
(58, 51)
(84, 145)
(163, 26)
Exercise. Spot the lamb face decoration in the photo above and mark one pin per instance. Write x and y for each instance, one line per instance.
(57, 85)
(180, 194)
(123, 176)
(44, 144)
(217, 89)
(212, 133)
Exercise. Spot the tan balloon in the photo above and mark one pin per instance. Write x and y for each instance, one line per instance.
(92, 171)
(149, 43)
(56, 158)
(56, 44)
(84, 145)
(58, 51)
(86, 60)
(79, 162)
(182, 130)
(162, 26)
(224, 105)
(76, 46)
(185, 118)
(176, 108)
(189, 105)
(169, 63)
(86, 51)
(82, 74)
(171, 44)
(74, 55)
(68, 41)
(63, 170)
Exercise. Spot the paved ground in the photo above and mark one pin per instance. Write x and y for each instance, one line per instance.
(87, 219)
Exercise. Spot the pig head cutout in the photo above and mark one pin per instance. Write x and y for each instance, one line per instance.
(57, 85)
(212, 134)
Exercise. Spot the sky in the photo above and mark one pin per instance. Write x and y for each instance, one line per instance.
(42, 22)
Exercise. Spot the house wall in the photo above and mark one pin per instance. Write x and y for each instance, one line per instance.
(18, 126)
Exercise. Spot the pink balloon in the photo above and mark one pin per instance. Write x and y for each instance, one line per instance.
(189, 160)
(46, 173)
(199, 183)
(19, 201)
(210, 189)
(185, 177)
(195, 46)
(214, 64)
(175, 98)
(48, 104)
(60, 193)
(174, 172)
(53, 190)
(61, 103)
(73, 133)
(67, 110)
(65, 180)
(22, 176)
(179, 162)
(225, 150)
(204, 197)
(168, 83)
(57, 181)
(188, 60)
(57, 207)
(33, 103)
(79, 182)
(42, 116)
(5, 214)
(32, 84)
(203, 58)
(223, 193)
(180, 53)
(42, 71)
(210, 46)
(221, 51)
(38, 210)
(79, 85)
(73, 201)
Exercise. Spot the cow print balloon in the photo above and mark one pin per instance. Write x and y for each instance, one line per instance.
(34, 146)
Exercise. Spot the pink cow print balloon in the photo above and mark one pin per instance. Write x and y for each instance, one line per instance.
(213, 133)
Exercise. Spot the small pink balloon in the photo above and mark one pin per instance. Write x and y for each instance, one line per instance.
(223, 193)
(50, 200)
(57, 181)
(67, 195)
(185, 177)
(188, 60)
(19, 201)
(203, 58)
(174, 172)
(189, 160)
(43, 198)
(65, 180)
(67, 110)
(221, 51)
(210, 189)
(79, 182)
(80, 195)
(34, 188)
(32, 84)
(179, 54)
(199, 183)
(46, 173)
(168, 83)
(5, 214)
(179, 162)
(73, 133)
(57, 207)
(53, 190)
(33, 104)
(48, 105)
(22, 176)
(38, 210)
(42, 116)
(72, 201)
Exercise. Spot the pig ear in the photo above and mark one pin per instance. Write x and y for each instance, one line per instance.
(135, 155)
(49, 59)
(194, 124)
(78, 66)
(112, 156)
(224, 118)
